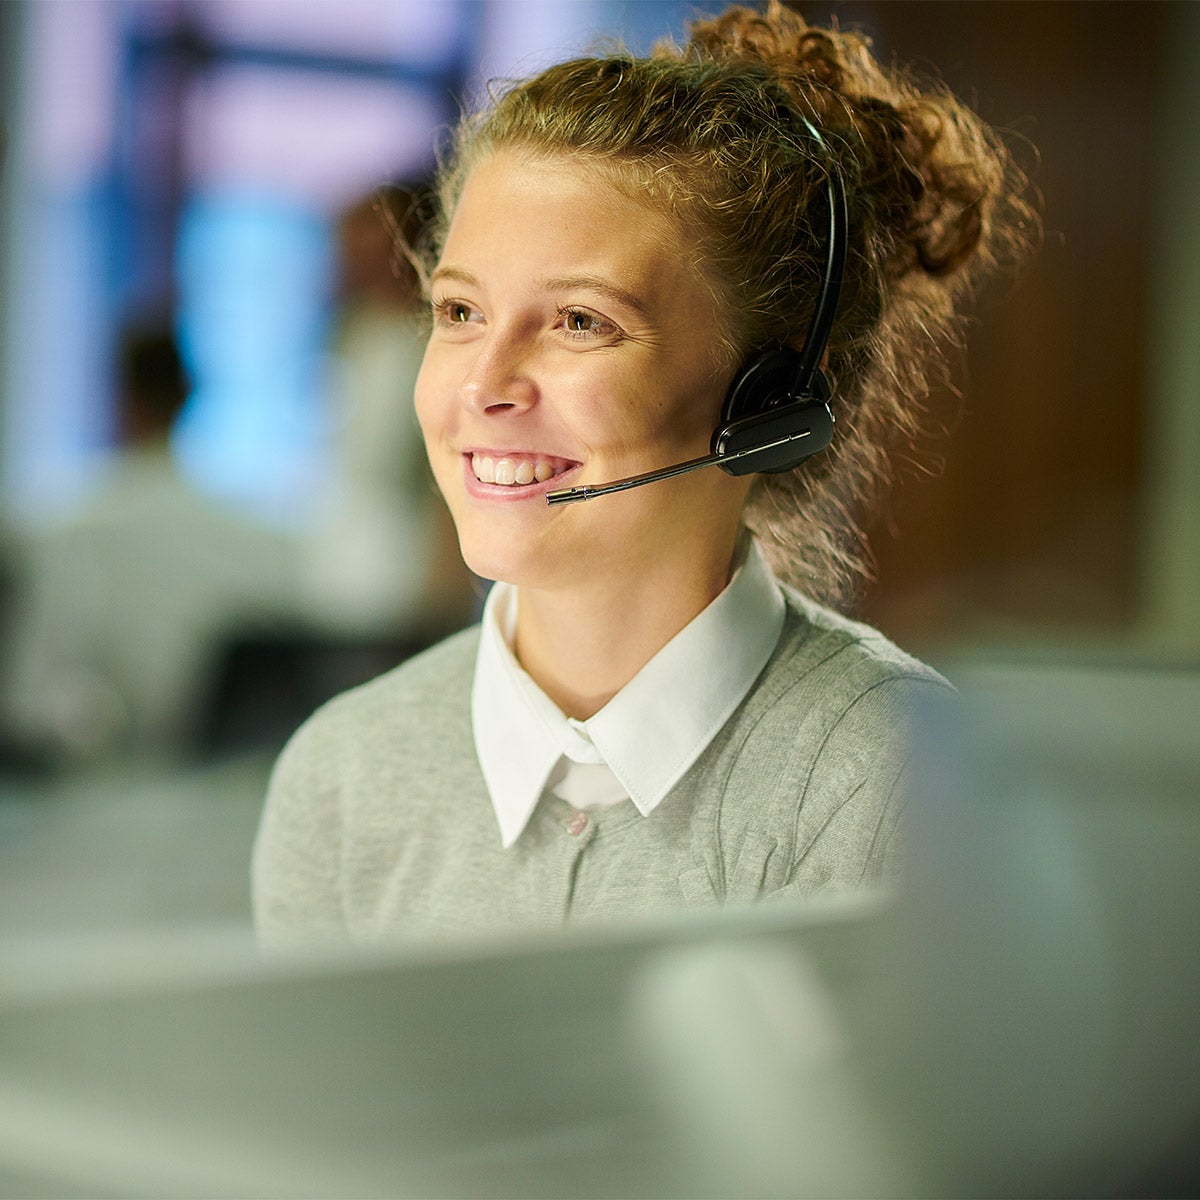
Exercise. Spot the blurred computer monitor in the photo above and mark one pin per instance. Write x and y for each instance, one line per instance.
(1021, 1020)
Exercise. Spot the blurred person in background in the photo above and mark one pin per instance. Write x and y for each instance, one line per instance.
(663, 704)
(380, 558)
(123, 604)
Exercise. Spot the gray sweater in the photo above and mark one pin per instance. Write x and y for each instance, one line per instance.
(378, 823)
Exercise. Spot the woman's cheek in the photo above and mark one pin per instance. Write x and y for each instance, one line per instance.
(420, 392)
(429, 396)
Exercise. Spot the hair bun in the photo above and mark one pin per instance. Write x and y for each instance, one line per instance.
(931, 171)
(954, 174)
(778, 39)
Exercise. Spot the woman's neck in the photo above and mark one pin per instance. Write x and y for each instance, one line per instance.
(582, 645)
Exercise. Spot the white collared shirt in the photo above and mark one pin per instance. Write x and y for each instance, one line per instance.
(639, 745)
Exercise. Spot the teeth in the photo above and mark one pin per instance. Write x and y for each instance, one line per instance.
(509, 471)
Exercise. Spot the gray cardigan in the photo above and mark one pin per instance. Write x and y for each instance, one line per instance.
(378, 823)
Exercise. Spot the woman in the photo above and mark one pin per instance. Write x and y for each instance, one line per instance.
(646, 716)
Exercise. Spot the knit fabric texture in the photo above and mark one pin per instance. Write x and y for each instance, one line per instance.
(378, 824)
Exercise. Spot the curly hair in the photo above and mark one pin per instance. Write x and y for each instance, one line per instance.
(709, 131)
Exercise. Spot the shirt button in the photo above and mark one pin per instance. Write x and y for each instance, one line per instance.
(577, 824)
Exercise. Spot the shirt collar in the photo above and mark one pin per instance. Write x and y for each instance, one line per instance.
(652, 731)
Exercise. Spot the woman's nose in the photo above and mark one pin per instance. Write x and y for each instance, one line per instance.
(499, 379)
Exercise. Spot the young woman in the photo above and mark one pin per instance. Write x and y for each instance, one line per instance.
(658, 708)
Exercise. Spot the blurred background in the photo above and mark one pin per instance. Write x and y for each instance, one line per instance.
(214, 509)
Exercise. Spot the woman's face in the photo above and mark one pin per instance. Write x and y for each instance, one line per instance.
(572, 342)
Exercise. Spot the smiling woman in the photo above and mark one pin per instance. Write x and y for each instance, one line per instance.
(658, 708)
(609, 369)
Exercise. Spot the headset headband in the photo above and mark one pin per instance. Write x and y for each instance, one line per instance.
(821, 325)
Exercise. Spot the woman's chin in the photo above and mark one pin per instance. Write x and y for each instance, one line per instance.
(515, 564)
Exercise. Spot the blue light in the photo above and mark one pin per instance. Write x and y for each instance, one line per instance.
(254, 287)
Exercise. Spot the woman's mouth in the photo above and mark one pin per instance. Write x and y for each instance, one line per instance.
(517, 470)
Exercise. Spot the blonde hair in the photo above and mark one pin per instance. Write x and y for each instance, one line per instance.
(709, 131)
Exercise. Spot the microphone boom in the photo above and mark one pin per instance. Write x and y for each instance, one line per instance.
(586, 491)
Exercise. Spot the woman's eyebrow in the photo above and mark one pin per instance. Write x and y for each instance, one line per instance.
(597, 283)
(456, 274)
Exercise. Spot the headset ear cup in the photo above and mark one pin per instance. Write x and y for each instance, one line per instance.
(763, 383)
(775, 441)
(766, 423)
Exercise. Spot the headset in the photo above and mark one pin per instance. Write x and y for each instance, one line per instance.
(776, 413)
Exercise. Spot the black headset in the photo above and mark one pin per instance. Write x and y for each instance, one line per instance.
(776, 412)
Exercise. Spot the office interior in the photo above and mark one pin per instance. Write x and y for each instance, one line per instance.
(1024, 1024)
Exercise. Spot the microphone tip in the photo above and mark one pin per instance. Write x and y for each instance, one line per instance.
(566, 495)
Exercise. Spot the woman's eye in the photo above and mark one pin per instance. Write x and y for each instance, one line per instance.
(453, 312)
(582, 323)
